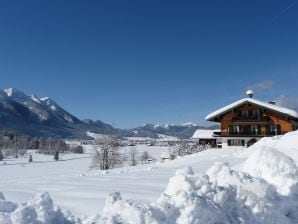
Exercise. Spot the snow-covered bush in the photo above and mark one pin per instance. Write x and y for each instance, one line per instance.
(77, 149)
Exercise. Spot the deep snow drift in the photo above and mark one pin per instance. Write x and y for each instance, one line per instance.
(262, 189)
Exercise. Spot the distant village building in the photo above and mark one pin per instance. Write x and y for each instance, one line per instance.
(206, 137)
(246, 121)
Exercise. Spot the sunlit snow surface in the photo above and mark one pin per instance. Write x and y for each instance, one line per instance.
(255, 185)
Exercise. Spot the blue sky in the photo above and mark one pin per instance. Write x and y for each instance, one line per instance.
(133, 62)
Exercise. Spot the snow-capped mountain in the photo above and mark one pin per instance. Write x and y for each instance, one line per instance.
(189, 124)
(43, 116)
(45, 108)
(183, 131)
(106, 128)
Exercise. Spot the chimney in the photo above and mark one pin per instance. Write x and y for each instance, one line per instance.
(250, 93)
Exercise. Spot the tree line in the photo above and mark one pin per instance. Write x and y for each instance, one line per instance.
(13, 143)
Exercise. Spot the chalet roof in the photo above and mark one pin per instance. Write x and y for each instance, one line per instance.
(204, 133)
(268, 106)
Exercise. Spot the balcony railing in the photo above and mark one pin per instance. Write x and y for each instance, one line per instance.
(248, 133)
(251, 118)
(243, 133)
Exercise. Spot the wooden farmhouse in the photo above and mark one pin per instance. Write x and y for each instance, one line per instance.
(246, 121)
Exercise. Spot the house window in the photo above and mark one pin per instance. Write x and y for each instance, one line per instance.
(244, 113)
(244, 129)
(273, 129)
(255, 129)
(234, 130)
(249, 115)
(236, 142)
(256, 114)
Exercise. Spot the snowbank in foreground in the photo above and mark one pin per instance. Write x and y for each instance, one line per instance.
(275, 167)
(265, 191)
(222, 195)
(40, 210)
(287, 144)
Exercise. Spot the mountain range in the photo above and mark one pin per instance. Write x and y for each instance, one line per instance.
(44, 117)
(181, 131)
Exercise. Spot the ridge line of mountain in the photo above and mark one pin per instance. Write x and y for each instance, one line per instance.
(44, 117)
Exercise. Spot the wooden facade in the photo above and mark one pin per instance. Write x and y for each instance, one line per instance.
(247, 122)
(266, 123)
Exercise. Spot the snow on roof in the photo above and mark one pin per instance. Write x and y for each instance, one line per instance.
(269, 106)
(203, 133)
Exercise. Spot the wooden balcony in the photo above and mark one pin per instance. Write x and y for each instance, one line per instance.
(251, 119)
(243, 133)
(247, 134)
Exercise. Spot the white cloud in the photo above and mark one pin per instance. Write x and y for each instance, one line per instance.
(285, 101)
(261, 86)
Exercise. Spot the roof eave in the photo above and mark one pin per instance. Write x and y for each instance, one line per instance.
(214, 115)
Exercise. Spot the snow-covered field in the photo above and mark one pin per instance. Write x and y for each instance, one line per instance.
(255, 185)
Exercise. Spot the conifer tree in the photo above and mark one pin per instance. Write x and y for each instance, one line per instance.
(56, 156)
(1, 155)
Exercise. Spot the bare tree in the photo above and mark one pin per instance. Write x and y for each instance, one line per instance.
(182, 148)
(144, 157)
(106, 153)
(22, 152)
(132, 156)
(172, 153)
(16, 153)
